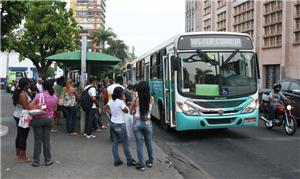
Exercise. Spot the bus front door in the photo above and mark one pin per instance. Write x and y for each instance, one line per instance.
(167, 93)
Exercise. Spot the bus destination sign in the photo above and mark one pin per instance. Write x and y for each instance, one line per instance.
(214, 42)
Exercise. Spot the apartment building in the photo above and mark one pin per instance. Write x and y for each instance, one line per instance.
(89, 14)
(274, 26)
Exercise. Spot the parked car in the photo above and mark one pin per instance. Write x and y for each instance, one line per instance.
(291, 89)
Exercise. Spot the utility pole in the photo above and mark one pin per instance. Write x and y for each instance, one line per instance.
(83, 77)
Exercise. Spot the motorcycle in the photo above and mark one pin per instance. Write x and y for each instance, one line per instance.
(283, 116)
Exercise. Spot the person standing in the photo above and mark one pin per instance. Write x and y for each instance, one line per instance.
(58, 88)
(21, 101)
(116, 107)
(42, 123)
(118, 83)
(70, 97)
(90, 113)
(141, 107)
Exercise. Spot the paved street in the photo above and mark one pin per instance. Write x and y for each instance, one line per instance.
(226, 153)
(234, 153)
(74, 156)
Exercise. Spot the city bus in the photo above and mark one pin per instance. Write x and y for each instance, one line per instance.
(201, 80)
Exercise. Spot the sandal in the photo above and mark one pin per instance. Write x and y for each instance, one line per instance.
(74, 134)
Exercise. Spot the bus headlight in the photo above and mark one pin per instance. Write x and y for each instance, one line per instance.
(251, 107)
(187, 109)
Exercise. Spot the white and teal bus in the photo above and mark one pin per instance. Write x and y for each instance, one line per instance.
(201, 80)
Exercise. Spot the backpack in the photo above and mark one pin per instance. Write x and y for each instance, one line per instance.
(86, 100)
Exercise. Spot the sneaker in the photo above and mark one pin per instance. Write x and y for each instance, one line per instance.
(35, 164)
(132, 163)
(84, 134)
(49, 163)
(140, 168)
(149, 163)
(118, 163)
(88, 136)
(93, 136)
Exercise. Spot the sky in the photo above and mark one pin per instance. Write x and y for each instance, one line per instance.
(145, 24)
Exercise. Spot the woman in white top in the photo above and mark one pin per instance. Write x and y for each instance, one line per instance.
(22, 101)
(117, 107)
(142, 125)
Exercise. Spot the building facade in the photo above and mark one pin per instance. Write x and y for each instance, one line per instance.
(89, 14)
(274, 26)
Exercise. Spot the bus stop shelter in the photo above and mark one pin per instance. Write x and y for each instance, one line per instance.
(97, 62)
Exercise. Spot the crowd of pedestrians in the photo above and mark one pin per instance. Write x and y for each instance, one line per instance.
(128, 110)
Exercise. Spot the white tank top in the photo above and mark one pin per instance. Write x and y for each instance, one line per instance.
(20, 108)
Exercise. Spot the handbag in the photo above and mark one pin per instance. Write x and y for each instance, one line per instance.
(42, 108)
(25, 119)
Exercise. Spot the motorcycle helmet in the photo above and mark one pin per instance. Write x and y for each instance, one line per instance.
(277, 87)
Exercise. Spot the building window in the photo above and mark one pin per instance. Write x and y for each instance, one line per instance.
(273, 23)
(297, 37)
(207, 7)
(244, 18)
(221, 3)
(272, 75)
(207, 25)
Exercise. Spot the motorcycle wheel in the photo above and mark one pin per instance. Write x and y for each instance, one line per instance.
(292, 127)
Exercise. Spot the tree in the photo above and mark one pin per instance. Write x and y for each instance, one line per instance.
(12, 14)
(102, 37)
(117, 48)
(49, 29)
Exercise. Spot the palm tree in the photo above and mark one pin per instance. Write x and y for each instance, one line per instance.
(102, 36)
(117, 48)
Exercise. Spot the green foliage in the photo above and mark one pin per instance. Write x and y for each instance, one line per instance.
(12, 14)
(50, 72)
(102, 37)
(49, 29)
(117, 48)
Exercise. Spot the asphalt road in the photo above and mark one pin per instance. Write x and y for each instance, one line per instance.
(233, 153)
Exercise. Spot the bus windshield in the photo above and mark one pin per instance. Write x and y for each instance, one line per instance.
(217, 73)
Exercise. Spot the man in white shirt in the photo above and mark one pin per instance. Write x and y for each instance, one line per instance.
(90, 114)
(39, 85)
(110, 88)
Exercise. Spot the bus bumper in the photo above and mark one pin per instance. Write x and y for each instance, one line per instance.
(184, 122)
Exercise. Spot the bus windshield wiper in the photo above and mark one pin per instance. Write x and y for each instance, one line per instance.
(232, 55)
(202, 57)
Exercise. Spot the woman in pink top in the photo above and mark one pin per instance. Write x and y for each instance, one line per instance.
(42, 124)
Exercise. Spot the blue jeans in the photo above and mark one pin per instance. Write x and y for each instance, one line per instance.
(118, 131)
(143, 129)
(71, 118)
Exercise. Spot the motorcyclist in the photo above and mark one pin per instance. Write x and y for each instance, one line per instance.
(275, 97)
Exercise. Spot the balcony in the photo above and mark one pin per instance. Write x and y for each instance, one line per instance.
(243, 11)
(277, 21)
(272, 10)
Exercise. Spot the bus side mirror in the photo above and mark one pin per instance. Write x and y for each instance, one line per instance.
(174, 63)
(257, 66)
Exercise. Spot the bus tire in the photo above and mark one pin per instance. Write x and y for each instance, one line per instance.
(162, 121)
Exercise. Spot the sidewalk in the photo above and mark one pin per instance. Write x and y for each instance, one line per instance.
(78, 157)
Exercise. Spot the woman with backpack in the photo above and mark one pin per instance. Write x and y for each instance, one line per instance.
(116, 107)
(141, 108)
